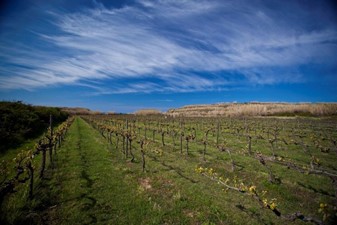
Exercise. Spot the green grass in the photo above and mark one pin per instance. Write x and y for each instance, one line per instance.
(25, 146)
(93, 183)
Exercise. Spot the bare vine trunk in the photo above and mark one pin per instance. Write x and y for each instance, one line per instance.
(43, 163)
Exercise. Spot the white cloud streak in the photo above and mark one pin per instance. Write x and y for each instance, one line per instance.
(179, 44)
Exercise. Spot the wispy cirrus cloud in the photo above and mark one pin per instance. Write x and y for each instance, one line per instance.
(173, 46)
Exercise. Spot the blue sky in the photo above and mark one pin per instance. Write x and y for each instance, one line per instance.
(126, 55)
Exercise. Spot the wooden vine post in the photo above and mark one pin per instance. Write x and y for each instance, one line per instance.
(43, 148)
(181, 141)
(249, 145)
(30, 168)
(130, 137)
(143, 143)
(50, 139)
(205, 142)
(163, 132)
(217, 133)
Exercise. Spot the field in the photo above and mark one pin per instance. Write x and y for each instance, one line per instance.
(126, 169)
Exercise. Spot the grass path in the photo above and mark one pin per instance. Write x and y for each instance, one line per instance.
(90, 187)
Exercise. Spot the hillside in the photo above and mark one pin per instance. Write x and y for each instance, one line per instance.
(256, 109)
(146, 112)
(79, 111)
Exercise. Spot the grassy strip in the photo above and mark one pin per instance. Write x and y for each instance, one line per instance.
(87, 187)
(90, 185)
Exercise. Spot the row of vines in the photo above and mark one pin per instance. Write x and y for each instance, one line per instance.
(235, 152)
(30, 165)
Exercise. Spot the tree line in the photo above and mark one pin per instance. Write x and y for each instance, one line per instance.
(20, 122)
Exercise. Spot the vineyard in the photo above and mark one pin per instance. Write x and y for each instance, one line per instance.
(128, 169)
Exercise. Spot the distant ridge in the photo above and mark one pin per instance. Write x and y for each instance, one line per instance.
(256, 109)
(148, 112)
(79, 111)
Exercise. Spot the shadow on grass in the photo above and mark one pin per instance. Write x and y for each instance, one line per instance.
(320, 191)
(252, 214)
(177, 170)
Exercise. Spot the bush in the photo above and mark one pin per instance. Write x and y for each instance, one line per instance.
(21, 121)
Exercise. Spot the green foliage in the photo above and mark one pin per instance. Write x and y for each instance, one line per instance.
(20, 121)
